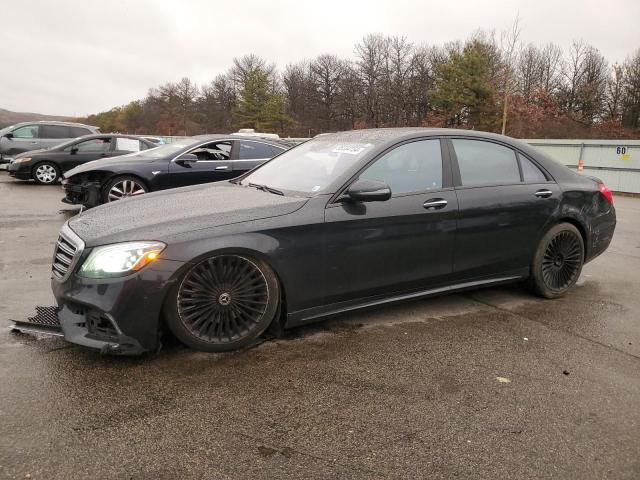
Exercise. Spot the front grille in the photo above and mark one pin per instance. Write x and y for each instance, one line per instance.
(66, 253)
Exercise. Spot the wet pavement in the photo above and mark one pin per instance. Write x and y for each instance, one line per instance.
(493, 383)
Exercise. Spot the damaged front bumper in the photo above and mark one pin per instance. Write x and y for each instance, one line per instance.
(119, 316)
(86, 193)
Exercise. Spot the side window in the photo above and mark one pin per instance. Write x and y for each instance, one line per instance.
(127, 144)
(213, 151)
(412, 167)
(485, 163)
(55, 131)
(28, 131)
(252, 150)
(95, 145)
(530, 172)
(276, 150)
(79, 131)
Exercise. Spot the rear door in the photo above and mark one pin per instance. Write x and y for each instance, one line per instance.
(52, 135)
(248, 154)
(402, 244)
(505, 200)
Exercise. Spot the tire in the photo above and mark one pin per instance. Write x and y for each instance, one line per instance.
(123, 187)
(45, 173)
(558, 261)
(222, 303)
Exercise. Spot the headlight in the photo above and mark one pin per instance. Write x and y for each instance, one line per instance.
(120, 259)
(21, 160)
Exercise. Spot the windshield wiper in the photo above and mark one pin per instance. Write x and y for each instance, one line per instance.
(266, 188)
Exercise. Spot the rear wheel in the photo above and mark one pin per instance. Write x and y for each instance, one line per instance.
(123, 187)
(223, 303)
(45, 173)
(558, 261)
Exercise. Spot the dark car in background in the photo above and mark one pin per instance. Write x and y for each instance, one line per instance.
(344, 221)
(188, 161)
(47, 166)
(27, 136)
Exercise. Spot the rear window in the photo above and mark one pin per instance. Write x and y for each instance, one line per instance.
(128, 144)
(485, 163)
(55, 131)
(79, 131)
(251, 150)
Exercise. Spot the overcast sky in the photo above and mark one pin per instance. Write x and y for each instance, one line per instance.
(74, 57)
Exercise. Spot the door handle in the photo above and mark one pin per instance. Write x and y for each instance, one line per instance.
(223, 167)
(34, 142)
(543, 193)
(435, 204)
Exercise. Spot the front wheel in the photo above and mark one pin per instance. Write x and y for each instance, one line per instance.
(123, 187)
(558, 261)
(46, 173)
(223, 303)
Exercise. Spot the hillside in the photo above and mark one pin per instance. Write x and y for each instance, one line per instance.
(8, 117)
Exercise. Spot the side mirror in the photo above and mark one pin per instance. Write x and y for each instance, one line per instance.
(369, 191)
(186, 159)
(73, 150)
(9, 135)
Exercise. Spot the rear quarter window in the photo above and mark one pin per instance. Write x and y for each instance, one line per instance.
(530, 171)
(79, 131)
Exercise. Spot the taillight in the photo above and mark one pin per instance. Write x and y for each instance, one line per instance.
(606, 193)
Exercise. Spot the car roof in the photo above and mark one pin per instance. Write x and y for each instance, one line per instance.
(254, 138)
(56, 122)
(123, 135)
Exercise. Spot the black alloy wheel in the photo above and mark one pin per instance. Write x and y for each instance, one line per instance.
(224, 302)
(558, 262)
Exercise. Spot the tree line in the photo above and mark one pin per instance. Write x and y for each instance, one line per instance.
(484, 83)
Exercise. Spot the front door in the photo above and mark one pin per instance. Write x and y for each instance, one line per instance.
(24, 139)
(213, 163)
(505, 201)
(402, 244)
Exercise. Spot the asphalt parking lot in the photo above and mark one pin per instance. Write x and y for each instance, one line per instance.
(488, 384)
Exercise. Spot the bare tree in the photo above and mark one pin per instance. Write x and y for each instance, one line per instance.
(631, 96)
(509, 48)
(370, 54)
(327, 71)
(551, 65)
(186, 93)
(614, 92)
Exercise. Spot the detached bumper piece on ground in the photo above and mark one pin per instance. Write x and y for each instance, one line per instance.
(44, 322)
(87, 328)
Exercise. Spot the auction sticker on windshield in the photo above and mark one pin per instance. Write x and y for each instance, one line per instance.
(351, 148)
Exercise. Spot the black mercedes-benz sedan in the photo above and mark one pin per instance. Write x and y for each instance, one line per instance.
(189, 161)
(342, 222)
(46, 166)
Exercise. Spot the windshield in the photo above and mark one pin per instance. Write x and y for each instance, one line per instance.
(6, 129)
(309, 167)
(167, 149)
